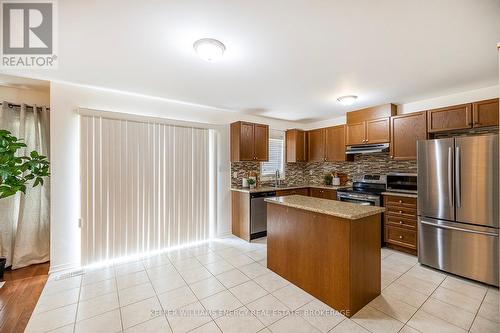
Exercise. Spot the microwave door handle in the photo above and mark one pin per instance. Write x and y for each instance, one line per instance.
(450, 176)
(458, 184)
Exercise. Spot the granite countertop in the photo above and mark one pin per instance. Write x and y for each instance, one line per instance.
(345, 210)
(400, 194)
(288, 187)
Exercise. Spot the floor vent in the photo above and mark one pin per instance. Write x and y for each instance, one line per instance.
(70, 274)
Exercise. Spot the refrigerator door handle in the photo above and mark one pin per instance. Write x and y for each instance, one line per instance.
(459, 229)
(450, 175)
(457, 176)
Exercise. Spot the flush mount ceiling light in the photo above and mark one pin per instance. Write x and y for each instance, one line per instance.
(209, 49)
(347, 100)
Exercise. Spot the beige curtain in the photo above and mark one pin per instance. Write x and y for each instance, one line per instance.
(24, 218)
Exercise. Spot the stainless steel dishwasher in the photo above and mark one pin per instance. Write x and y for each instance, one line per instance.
(258, 213)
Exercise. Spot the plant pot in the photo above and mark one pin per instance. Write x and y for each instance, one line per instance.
(2, 267)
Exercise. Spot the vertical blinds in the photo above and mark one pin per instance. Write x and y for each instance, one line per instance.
(145, 187)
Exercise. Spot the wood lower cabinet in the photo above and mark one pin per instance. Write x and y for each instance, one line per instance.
(335, 143)
(240, 214)
(400, 223)
(295, 191)
(485, 113)
(323, 193)
(249, 142)
(406, 130)
(296, 146)
(316, 145)
(449, 118)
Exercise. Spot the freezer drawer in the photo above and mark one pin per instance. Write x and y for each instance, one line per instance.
(461, 249)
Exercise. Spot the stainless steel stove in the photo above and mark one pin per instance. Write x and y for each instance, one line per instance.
(366, 190)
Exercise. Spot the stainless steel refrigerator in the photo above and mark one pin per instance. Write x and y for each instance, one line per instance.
(458, 206)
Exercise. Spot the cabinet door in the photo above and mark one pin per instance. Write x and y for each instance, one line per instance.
(316, 145)
(316, 192)
(330, 194)
(378, 131)
(485, 113)
(356, 134)
(261, 142)
(449, 118)
(335, 143)
(246, 142)
(295, 146)
(406, 130)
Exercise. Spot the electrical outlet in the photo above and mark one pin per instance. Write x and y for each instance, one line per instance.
(310, 172)
(79, 222)
(235, 174)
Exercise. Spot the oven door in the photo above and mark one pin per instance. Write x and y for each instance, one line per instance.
(358, 199)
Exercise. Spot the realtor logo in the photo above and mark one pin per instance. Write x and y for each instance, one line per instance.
(28, 39)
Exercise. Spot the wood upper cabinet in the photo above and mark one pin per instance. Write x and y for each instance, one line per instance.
(316, 145)
(356, 133)
(335, 143)
(371, 125)
(406, 130)
(249, 142)
(261, 142)
(449, 118)
(327, 144)
(485, 113)
(296, 146)
(378, 130)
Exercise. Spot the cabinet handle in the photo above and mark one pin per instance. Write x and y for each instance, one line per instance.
(400, 201)
(400, 222)
(400, 212)
(392, 156)
(400, 237)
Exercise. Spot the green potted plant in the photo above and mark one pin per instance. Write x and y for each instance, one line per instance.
(17, 172)
(251, 182)
(328, 179)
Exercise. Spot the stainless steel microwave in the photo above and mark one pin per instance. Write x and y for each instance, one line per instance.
(402, 182)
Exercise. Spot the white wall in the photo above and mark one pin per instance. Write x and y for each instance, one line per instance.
(65, 202)
(28, 96)
(448, 100)
(422, 105)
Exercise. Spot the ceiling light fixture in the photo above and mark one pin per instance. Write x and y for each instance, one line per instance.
(347, 100)
(209, 49)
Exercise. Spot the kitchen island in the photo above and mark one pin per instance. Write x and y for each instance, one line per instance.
(331, 249)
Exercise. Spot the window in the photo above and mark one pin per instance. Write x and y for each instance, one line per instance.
(276, 155)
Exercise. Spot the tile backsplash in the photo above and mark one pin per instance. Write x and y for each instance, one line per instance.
(313, 172)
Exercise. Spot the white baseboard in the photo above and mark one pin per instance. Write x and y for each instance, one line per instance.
(224, 234)
(63, 267)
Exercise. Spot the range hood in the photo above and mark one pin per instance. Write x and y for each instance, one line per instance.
(367, 149)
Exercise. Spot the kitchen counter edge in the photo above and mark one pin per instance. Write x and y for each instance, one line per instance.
(345, 210)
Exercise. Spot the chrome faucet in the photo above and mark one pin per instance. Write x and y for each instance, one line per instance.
(277, 178)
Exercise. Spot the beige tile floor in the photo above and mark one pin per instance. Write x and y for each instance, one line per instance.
(224, 286)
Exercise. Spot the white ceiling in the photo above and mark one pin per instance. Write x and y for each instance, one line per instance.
(285, 59)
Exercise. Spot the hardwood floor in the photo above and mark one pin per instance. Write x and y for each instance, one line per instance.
(19, 296)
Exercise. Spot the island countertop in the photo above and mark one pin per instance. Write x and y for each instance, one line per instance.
(340, 209)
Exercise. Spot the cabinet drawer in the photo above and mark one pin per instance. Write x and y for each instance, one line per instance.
(391, 200)
(396, 211)
(400, 236)
(401, 222)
